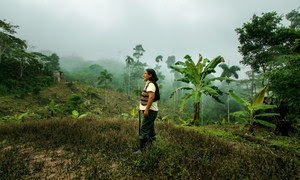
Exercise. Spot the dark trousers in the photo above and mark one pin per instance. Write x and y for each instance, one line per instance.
(147, 127)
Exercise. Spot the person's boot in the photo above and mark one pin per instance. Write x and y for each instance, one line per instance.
(142, 147)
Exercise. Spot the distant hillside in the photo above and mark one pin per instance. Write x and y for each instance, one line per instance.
(75, 63)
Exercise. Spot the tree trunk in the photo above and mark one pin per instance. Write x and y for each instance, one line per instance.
(196, 112)
(129, 84)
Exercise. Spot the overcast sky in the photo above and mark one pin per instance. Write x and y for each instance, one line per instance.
(97, 29)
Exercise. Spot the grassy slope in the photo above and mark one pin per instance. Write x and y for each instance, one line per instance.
(101, 146)
(101, 102)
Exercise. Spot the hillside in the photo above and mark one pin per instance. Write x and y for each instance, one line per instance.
(37, 144)
(97, 102)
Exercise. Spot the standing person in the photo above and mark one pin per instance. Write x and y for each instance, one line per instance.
(149, 108)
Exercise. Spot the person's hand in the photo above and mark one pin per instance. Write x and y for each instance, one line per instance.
(146, 112)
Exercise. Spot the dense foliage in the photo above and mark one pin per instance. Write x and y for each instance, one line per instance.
(272, 50)
(22, 71)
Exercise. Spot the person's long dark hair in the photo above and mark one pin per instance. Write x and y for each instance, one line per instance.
(154, 79)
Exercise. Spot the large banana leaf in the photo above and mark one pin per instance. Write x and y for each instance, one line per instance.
(184, 100)
(241, 114)
(205, 61)
(260, 96)
(267, 115)
(263, 107)
(188, 58)
(208, 80)
(240, 100)
(184, 79)
(179, 63)
(181, 88)
(178, 69)
(210, 91)
(211, 65)
(217, 99)
(192, 72)
(265, 123)
(199, 65)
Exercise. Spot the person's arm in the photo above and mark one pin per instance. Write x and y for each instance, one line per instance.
(149, 103)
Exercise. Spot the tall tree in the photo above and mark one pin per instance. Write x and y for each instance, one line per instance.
(269, 46)
(198, 75)
(138, 51)
(229, 72)
(257, 38)
(21, 71)
(105, 79)
(129, 63)
(176, 75)
(157, 67)
(9, 43)
(134, 69)
(294, 18)
(53, 62)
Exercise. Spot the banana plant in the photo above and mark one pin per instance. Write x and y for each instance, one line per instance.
(198, 75)
(254, 110)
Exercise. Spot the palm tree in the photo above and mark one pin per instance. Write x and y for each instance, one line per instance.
(129, 62)
(138, 67)
(228, 72)
(138, 51)
(159, 58)
(104, 79)
(157, 67)
(197, 75)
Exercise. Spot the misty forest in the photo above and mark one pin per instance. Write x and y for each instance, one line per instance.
(71, 115)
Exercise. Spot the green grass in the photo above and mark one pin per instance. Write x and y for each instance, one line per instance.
(214, 130)
(226, 132)
(89, 148)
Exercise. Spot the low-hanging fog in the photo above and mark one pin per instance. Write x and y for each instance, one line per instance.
(109, 29)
